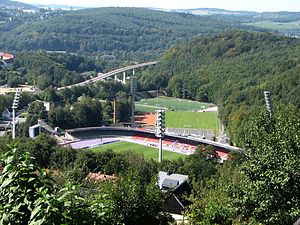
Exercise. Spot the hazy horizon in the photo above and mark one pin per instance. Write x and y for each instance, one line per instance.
(232, 5)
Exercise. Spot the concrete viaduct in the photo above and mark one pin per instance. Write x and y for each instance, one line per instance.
(110, 74)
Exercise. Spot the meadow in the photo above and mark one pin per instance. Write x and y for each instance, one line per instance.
(276, 25)
(148, 152)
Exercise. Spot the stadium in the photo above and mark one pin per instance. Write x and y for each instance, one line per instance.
(87, 138)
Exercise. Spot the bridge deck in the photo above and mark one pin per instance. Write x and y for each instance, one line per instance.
(111, 73)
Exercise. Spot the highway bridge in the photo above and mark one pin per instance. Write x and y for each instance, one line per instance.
(109, 74)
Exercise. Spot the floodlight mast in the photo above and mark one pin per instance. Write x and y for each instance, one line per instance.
(160, 130)
(269, 102)
(15, 106)
(133, 88)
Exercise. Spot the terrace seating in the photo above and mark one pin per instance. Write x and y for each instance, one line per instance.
(141, 138)
(222, 155)
(168, 142)
(192, 147)
(155, 140)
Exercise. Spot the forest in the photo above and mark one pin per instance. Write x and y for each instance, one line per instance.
(127, 33)
(232, 70)
(44, 69)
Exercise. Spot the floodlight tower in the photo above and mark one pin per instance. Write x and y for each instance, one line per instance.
(15, 106)
(269, 102)
(133, 88)
(160, 130)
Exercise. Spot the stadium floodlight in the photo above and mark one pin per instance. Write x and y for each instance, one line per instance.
(15, 106)
(160, 123)
(160, 130)
(133, 88)
(133, 85)
(269, 102)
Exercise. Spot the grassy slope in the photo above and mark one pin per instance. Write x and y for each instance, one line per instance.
(140, 149)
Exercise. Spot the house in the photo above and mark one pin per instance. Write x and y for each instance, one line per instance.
(7, 56)
(108, 57)
(98, 177)
(5, 60)
(7, 113)
(178, 185)
(171, 181)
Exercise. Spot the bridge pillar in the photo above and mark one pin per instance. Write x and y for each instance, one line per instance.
(133, 72)
(124, 77)
(116, 78)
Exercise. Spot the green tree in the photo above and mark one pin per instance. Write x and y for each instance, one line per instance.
(108, 111)
(60, 117)
(270, 191)
(28, 196)
(211, 199)
(19, 188)
(134, 202)
(5, 101)
(41, 149)
(37, 108)
(198, 167)
(123, 110)
(87, 113)
(50, 95)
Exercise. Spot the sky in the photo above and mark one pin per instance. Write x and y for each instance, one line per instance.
(233, 5)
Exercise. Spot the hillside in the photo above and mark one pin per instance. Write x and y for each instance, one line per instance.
(42, 69)
(128, 33)
(231, 69)
(15, 4)
(284, 23)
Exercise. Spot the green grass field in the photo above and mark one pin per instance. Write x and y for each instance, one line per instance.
(139, 149)
(192, 120)
(171, 103)
(276, 25)
(141, 108)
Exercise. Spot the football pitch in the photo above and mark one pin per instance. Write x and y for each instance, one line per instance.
(170, 103)
(192, 120)
(144, 108)
(148, 152)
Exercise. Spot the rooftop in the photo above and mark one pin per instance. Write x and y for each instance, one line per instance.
(168, 180)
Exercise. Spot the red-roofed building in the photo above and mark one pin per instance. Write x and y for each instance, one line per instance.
(5, 59)
(7, 56)
(98, 177)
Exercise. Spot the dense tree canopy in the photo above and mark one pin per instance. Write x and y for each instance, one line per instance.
(270, 191)
(128, 33)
